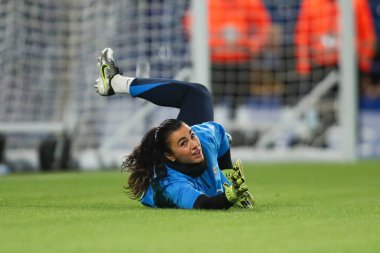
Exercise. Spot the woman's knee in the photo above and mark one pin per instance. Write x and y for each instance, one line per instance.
(201, 92)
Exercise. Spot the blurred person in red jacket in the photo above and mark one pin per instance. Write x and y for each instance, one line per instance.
(238, 32)
(316, 35)
(317, 47)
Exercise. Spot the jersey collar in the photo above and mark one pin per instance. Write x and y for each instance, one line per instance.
(192, 170)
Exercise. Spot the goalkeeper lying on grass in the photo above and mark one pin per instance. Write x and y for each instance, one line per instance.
(184, 162)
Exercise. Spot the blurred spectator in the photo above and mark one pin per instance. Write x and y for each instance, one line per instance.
(317, 49)
(238, 31)
(317, 32)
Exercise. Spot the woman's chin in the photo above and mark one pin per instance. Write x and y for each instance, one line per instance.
(198, 158)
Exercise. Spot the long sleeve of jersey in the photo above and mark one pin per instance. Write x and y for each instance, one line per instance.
(217, 202)
(225, 161)
(223, 145)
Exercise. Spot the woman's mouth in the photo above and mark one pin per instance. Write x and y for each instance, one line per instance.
(197, 153)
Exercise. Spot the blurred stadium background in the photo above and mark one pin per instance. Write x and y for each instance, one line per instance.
(252, 57)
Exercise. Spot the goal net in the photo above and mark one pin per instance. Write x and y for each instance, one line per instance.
(48, 52)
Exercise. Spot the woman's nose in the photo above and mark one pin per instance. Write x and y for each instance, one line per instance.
(194, 144)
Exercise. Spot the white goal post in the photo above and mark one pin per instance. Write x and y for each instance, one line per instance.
(348, 77)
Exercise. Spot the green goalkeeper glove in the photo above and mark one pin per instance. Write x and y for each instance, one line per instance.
(235, 192)
(236, 171)
(246, 200)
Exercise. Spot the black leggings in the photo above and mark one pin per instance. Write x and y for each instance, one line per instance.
(192, 99)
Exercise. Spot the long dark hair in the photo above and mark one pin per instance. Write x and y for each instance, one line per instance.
(149, 157)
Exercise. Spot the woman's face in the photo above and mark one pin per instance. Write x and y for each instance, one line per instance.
(185, 146)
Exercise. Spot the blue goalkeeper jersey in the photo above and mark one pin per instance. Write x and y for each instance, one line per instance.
(178, 190)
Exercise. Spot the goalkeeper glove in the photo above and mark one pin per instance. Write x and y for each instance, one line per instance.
(235, 192)
(246, 200)
(237, 170)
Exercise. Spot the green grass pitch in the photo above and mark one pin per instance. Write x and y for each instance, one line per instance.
(300, 208)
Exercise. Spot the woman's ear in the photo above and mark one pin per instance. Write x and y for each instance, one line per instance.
(170, 157)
